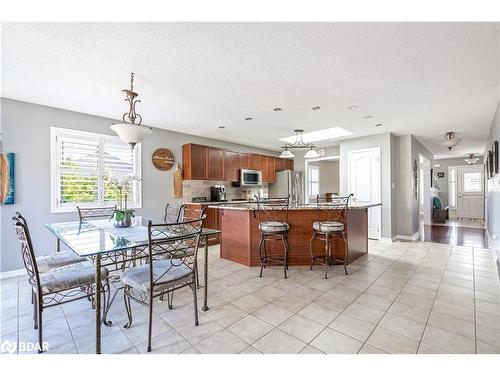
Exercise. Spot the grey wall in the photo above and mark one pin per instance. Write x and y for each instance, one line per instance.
(383, 141)
(25, 128)
(493, 189)
(443, 182)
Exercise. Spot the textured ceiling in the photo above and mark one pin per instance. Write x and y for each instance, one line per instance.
(418, 78)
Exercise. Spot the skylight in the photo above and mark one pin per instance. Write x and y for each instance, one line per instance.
(320, 135)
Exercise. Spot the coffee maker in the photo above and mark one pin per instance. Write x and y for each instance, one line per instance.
(218, 193)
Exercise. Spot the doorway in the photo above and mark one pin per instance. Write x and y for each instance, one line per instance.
(424, 190)
(364, 181)
(321, 177)
(470, 192)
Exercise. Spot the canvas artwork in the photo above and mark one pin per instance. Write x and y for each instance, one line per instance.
(494, 151)
(7, 178)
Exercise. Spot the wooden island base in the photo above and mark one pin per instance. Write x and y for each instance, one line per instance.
(240, 236)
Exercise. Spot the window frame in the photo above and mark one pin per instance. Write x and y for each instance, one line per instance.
(453, 181)
(55, 172)
(310, 182)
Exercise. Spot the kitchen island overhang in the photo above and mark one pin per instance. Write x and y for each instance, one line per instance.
(240, 234)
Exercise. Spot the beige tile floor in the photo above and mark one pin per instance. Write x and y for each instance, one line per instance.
(400, 298)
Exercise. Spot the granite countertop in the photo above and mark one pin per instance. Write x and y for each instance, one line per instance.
(248, 206)
(214, 203)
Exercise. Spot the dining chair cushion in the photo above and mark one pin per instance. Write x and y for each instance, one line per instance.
(69, 277)
(273, 227)
(166, 274)
(328, 226)
(49, 262)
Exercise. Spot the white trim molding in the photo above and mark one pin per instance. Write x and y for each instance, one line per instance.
(13, 273)
(414, 237)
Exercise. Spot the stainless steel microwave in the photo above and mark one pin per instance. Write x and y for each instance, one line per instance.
(250, 177)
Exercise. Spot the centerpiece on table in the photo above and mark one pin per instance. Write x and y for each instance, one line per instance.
(122, 216)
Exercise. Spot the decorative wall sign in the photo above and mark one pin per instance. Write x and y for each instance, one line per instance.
(440, 174)
(163, 159)
(415, 178)
(494, 150)
(7, 177)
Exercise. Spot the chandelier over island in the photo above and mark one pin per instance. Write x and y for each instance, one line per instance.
(299, 144)
(129, 131)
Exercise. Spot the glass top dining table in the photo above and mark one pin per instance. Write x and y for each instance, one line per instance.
(97, 238)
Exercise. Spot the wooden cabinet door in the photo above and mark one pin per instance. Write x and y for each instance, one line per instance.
(194, 160)
(289, 164)
(231, 165)
(255, 162)
(269, 169)
(215, 163)
(244, 160)
(279, 164)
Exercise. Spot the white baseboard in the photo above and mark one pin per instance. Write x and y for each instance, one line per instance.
(387, 240)
(414, 237)
(13, 273)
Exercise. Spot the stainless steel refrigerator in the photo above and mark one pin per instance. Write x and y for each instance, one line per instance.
(288, 183)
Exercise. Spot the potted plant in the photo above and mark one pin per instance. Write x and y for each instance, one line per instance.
(122, 215)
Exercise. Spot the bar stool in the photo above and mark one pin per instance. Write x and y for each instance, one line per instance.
(273, 226)
(331, 226)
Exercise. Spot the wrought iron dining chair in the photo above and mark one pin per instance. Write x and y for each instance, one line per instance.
(164, 274)
(273, 226)
(57, 286)
(51, 261)
(173, 214)
(330, 227)
(85, 213)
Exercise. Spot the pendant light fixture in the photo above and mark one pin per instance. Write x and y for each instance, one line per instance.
(451, 140)
(129, 131)
(471, 159)
(299, 144)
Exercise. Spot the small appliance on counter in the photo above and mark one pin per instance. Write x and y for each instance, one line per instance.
(218, 193)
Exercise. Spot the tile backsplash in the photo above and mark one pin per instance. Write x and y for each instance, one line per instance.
(201, 188)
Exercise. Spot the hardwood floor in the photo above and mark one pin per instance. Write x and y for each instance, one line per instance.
(456, 235)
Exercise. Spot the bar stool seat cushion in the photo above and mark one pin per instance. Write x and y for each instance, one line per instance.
(166, 274)
(49, 262)
(273, 227)
(328, 226)
(71, 276)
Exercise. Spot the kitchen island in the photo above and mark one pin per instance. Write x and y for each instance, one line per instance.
(240, 234)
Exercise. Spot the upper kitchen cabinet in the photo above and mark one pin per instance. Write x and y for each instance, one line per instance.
(268, 168)
(255, 162)
(215, 163)
(289, 164)
(194, 162)
(231, 165)
(244, 160)
(279, 164)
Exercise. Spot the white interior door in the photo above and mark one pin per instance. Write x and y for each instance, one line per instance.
(364, 181)
(470, 192)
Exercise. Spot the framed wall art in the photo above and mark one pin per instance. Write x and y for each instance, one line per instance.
(7, 177)
(494, 151)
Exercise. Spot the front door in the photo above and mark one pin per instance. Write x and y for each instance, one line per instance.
(470, 192)
(364, 181)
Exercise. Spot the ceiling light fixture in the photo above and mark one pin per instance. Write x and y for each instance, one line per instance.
(222, 127)
(367, 117)
(320, 135)
(315, 108)
(299, 143)
(248, 118)
(471, 159)
(277, 109)
(451, 140)
(352, 107)
(378, 125)
(129, 131)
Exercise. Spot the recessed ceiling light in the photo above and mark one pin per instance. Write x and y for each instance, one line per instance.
(315, 108)
(222, 127)
(352, 107)
(277, 109)
(377, 125)
(367, 117)
(320, 135)
(249, 118)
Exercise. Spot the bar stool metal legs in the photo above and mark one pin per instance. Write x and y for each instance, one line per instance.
(328, 259)
(273, 260)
